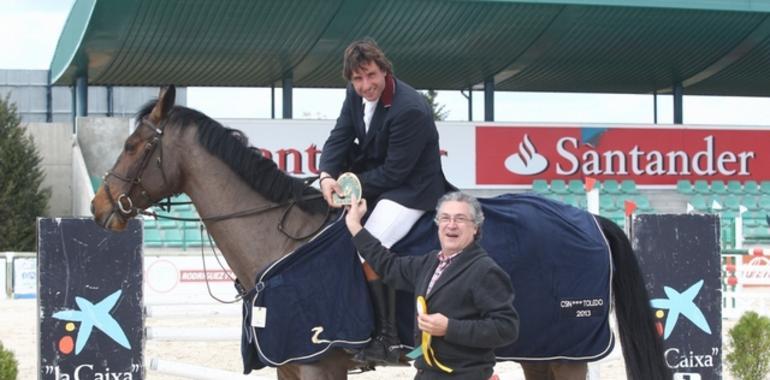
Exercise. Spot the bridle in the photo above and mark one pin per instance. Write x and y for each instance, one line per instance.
(124, 205)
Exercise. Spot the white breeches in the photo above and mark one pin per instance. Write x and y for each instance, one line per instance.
(390, 221)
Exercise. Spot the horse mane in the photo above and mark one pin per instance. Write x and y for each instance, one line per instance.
(232, 147)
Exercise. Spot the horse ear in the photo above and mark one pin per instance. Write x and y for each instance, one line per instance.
(166, 100)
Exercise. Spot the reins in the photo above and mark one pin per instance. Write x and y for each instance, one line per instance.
(241, 214)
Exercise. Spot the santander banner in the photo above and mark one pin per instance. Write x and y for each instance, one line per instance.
(655, 155)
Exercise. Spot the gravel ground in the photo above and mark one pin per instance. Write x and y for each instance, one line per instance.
(18, 333)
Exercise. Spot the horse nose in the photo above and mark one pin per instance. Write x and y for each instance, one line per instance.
(93, 209)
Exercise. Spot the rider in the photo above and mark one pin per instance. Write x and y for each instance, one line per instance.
(386, 135)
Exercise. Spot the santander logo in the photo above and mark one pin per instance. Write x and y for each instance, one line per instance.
(527, 161)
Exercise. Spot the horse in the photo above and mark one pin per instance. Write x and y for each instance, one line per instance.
(242, 198)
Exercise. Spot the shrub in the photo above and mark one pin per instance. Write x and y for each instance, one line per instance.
(8, 364)
(21, 198)
(750, 341)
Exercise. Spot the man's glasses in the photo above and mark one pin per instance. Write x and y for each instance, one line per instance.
(459, 219)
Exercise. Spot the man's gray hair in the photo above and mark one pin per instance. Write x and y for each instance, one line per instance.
(459, 196)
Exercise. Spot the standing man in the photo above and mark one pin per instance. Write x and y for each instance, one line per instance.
(386, 135)
(469, 298)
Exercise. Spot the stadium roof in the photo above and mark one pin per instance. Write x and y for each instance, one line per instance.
(712, 47)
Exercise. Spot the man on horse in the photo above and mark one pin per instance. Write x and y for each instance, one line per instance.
(465, 300)
(386, 135)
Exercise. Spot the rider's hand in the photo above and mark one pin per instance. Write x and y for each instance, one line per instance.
(356, 211)
(329, 185)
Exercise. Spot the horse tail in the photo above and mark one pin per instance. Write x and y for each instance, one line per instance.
(642, 346)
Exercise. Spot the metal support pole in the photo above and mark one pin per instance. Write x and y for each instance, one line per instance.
(489, 99)
(110, 102)
(469, 97)
(79, 100)
(272, 100)
(678, 95)
(73, 108)
(655, 107)
(287, 89)
(48, 100)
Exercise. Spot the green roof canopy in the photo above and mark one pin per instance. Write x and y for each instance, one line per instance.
(712, 47)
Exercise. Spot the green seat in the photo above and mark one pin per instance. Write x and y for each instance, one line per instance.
(152, 237)
(764, 187)
(611, 186)
(558, 186)
(734, 187)
(184, 207)
(576, 186)
(764, 202)
(150, 224)
(607, 203)
(727, 232)
(192, 238)
(718, 187)
(167, 224)
(173, 238)
(540, 186)
(761, 233)
(750, 202)
(699, 203)
(573, 200)
(753, 218)
(731, 202)
(616, 216)
(629, 187)
(642, 204)
(701, 187)
(684, 186)
(751, 187)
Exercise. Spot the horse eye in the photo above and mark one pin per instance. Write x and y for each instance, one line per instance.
(129, 147)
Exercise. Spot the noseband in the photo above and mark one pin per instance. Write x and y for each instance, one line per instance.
(124, 204)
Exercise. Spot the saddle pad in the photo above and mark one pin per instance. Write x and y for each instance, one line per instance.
(314, 299)
(560, 266)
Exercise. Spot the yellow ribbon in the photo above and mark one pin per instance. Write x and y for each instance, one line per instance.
(427, 350)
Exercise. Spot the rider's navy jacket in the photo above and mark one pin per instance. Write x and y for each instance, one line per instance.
(398, 158)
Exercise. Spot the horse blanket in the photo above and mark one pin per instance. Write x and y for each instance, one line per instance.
(556, 255)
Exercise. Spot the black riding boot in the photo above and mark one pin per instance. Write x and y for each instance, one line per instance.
(384, 348)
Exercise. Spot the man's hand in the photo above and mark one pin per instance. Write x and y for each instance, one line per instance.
(329, 185)
(433, 324)
(356, 211)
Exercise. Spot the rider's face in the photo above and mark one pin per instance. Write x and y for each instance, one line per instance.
(368, 81)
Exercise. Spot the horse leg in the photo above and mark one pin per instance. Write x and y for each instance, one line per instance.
(288, 372)
(333, 366)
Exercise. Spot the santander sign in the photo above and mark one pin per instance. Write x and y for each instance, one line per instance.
(660, 156)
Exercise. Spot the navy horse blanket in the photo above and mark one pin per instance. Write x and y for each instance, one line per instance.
(559, 262)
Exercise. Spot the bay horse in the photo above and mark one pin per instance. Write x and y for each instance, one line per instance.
(248, 206)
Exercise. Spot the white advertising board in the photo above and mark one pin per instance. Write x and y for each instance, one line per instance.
(295, 145)
(24, 277)
(182, 280)
(3, 279)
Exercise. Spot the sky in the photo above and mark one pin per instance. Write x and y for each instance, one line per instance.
(30, 30)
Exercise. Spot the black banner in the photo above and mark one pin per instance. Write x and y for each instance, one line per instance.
(680, 258)
(90, 298)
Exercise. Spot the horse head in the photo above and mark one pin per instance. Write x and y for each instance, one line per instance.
(144, 172)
